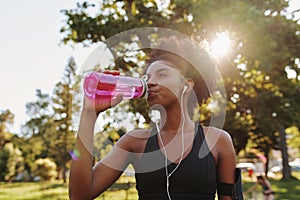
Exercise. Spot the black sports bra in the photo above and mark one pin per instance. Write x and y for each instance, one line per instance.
(195, 178)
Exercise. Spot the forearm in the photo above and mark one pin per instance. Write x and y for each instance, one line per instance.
(225, 197)
(81, 174)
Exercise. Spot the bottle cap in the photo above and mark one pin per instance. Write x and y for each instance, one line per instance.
(145, 87)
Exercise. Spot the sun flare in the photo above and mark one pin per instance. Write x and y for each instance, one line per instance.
(221, 45)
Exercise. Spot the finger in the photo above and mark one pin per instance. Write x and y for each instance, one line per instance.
(112, 72)
(99, 70)
(117, 100)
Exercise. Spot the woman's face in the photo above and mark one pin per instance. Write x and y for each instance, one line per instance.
(165, 83)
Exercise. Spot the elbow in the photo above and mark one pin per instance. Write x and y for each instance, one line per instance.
(79, 195)
(72, 196)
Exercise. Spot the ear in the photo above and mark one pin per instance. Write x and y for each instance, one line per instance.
(189, 84)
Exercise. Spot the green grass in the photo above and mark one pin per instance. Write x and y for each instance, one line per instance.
(30, 191)
(53, 191)
(285, 190)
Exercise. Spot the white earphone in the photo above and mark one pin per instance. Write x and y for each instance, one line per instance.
(185, 87)
(155, 117)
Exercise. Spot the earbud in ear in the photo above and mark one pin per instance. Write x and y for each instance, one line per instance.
(185, 87)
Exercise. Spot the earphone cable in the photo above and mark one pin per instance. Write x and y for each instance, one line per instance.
(168, 175)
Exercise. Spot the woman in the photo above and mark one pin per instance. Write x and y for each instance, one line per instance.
(266, 186)
(179, 159)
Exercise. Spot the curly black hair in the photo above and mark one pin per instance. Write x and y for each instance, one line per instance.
(192, 59)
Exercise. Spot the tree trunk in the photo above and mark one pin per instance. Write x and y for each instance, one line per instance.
(266, 153)
(64, 173)
(59, 173)
(286, 170)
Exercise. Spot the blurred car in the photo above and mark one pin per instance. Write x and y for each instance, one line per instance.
(276, 169)
(245, 166)
(295, 166)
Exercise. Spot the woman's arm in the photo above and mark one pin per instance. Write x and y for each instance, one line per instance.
(226, 163)
(109, 169)
(83, 183)
(81, 176)
(88, 182)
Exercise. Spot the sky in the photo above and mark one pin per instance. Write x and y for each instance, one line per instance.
(31, 54)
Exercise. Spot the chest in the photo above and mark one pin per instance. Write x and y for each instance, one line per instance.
(193, 175)
(173, 149)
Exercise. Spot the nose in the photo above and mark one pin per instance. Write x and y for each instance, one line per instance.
(151, 81)
(151, 84)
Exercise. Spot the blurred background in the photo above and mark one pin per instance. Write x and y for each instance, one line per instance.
(48, 46)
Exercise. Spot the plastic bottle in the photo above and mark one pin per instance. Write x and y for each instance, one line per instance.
(107, 86)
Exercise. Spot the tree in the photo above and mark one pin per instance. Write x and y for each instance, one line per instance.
(49, 132)
(37, 129)
(271, 99)
(262, 99)
(6, 119)
(45, 168)
(294, 140)
(39, 113)
(63, 136)
(11, 162)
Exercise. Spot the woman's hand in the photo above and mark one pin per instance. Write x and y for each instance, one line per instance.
(100, 105)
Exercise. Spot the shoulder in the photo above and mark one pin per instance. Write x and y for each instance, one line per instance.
(137, 134)
(218, 140)
(135, 140)
(216, 134)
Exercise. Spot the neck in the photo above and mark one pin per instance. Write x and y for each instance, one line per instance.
(176, 118)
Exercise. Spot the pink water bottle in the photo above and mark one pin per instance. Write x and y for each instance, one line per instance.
(107, 86)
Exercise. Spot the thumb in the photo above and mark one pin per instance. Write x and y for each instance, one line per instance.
(117, 100)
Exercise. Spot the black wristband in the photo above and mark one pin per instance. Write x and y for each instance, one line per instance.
(225, 189)
(234, 190)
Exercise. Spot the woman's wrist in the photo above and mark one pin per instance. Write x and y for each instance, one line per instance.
(91, 114)
(86, 128)
(87, 119)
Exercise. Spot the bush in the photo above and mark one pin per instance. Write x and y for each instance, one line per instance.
(45, 169)
(11, 162)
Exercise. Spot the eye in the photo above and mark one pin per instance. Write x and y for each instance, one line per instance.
(162, 75)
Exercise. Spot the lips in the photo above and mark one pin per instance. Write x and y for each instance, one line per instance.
(152, 93)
